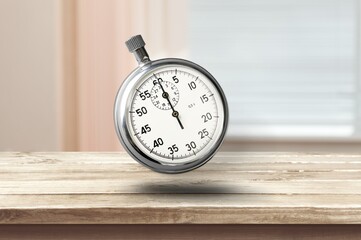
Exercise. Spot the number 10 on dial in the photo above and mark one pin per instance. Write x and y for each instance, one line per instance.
(170, 115)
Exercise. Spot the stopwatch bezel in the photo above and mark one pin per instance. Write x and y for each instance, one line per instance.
(123, 103)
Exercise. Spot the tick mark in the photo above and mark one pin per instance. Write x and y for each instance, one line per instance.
(151, 150)
(194, 152)
(216, 116)
(137, 90)
(211, 95)
(131, 112)
(136, 134)
(175, 71)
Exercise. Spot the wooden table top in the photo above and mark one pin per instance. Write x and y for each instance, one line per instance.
(233, 188)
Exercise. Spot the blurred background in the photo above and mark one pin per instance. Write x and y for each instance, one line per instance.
(290, 69)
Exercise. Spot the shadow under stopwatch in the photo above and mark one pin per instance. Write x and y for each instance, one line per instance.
(184, 188)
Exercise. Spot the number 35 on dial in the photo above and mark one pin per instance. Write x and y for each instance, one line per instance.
(170, 115)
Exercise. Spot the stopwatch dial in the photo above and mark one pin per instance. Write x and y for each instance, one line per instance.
(160, 98)
(176, 115)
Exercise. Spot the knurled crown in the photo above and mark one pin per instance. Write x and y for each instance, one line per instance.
(135, 43)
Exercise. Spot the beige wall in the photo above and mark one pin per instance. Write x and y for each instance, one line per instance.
(62, 61)
(103, 62)
(28, 75)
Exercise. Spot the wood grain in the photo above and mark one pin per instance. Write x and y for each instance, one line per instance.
(180, 232)
(233, 188)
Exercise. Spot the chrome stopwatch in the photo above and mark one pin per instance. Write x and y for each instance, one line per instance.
(170, 115)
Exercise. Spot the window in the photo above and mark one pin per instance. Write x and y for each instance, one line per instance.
(290, 69)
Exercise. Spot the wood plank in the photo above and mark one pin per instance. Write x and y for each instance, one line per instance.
(183, 215)
(232, 188)
(206, 200)
(211, 166)
(12, 158)
(180, 232)
(272, 176)
(174, 186)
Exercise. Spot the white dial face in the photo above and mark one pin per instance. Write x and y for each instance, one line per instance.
(176, 115)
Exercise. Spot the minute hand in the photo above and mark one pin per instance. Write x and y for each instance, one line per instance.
(174, 113)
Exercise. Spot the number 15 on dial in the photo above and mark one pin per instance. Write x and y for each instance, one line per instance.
(171, 115)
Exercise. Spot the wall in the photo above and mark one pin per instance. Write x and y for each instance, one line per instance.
(62, 61)
(28, 120)
(102, 61)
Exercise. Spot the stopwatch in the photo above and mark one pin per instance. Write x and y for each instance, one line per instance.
(170, 115)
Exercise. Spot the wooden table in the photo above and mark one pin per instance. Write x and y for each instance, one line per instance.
(235, 194)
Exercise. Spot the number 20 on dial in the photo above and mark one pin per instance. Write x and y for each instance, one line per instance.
(170, 115)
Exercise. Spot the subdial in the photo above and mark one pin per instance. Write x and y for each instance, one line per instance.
(159, 98)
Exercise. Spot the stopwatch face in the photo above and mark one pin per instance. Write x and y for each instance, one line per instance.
(176, 115)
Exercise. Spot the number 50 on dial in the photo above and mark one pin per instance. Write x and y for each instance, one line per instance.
(170, 115)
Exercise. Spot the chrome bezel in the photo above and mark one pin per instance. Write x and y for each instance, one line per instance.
(122, 106)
